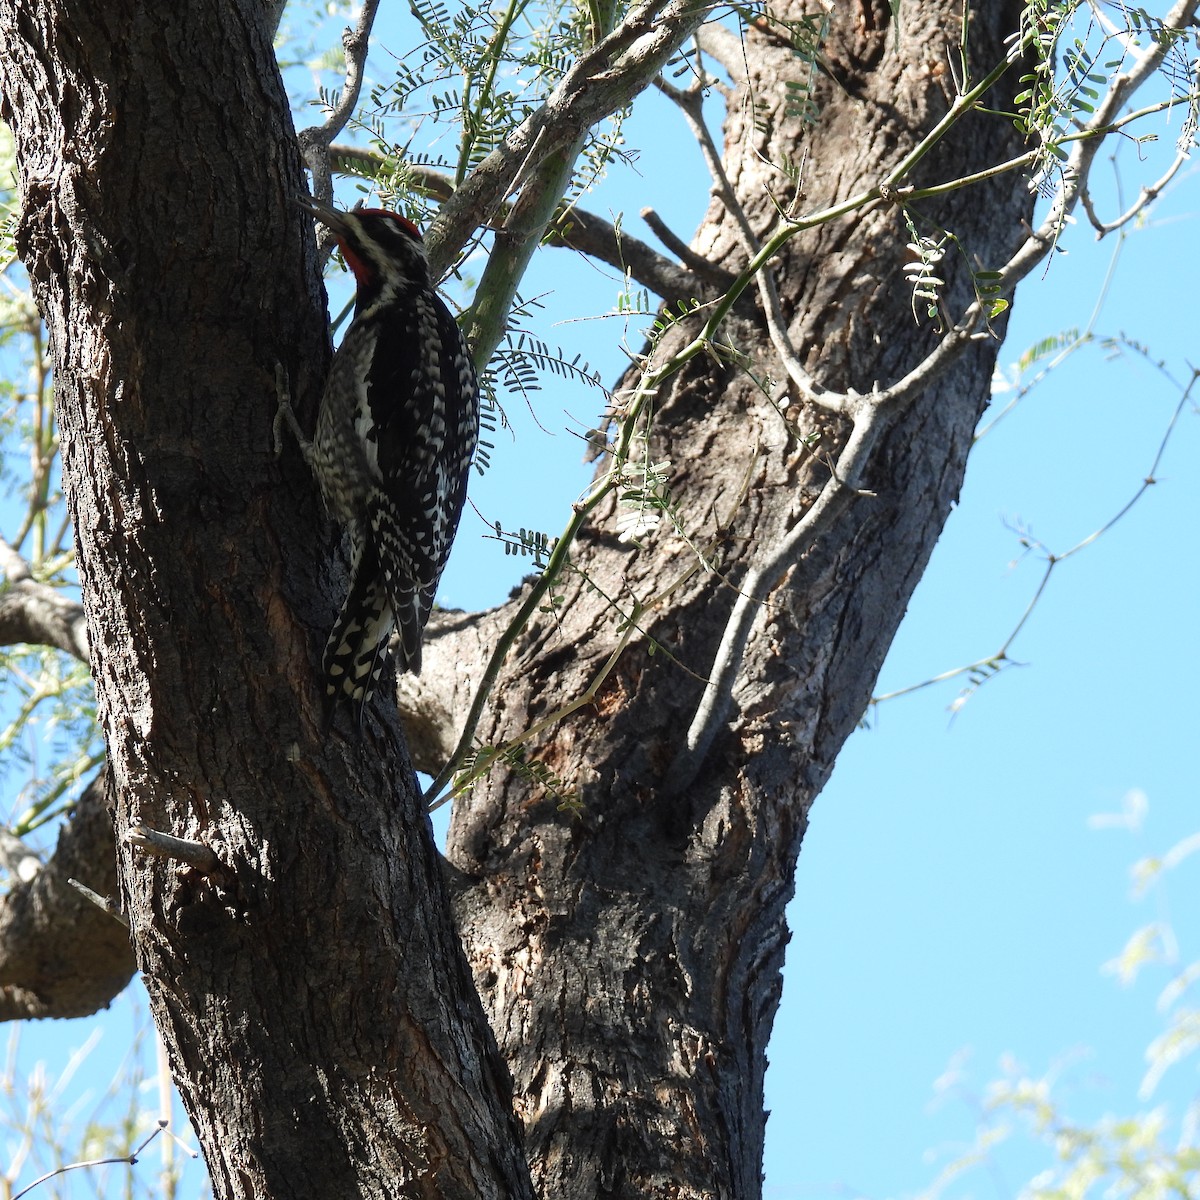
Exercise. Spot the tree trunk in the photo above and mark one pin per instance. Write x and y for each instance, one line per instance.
(629, 957)
(318, 1008)
(321, 1023)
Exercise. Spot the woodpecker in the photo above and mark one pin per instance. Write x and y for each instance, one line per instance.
(396, 432)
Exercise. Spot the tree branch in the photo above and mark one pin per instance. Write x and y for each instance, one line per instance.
(1087, 142)
(678, 246)
(1146, 196)
(60, 955)
(872, 412)
(600, 239)
(316, 140)
(598, 83)
(754, 593)
(574, 229)
(37, 614)
(691, 104)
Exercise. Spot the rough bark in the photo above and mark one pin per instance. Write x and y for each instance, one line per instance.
(312, 992)
(322, 1023)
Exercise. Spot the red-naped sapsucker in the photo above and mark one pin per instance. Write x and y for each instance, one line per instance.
(396, 432)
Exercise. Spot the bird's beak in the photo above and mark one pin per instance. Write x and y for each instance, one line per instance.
(324, 213)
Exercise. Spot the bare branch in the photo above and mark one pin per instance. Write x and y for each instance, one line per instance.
(1147, 196)
(61, 955)
(105, 904)
(691, 104)
(996, 661)
(315, 141)
(682, 250)
(131, 1159)
(762, 579)
(37, 614)
(601, 240)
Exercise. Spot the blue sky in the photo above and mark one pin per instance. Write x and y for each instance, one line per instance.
(953, 904)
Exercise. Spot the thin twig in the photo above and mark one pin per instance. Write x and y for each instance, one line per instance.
(105, 903)
(996, 661)
(1147, 196)
(130, 1159)
(1077, 341)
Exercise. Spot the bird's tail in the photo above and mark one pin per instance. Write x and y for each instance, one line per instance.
(410, 572)
(411, 608)
(355, 652)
